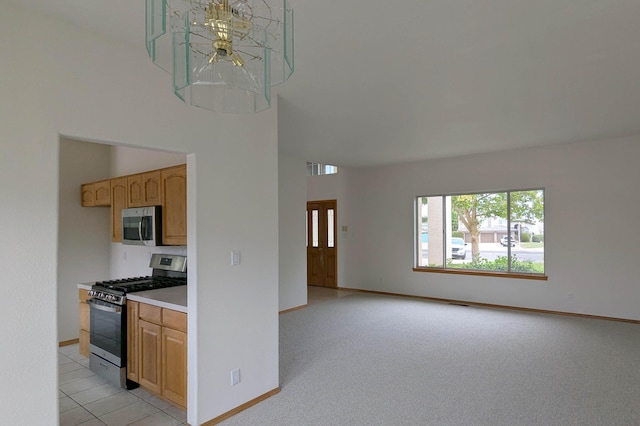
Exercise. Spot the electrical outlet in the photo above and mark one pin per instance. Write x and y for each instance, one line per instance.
(235, 377)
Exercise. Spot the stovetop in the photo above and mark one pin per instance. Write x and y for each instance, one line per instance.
(129, 285)
(168, 271)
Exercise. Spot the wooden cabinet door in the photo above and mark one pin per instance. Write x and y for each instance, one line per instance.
(144, 189)
(83, 333)
(84, 322)
(174, 207)
(118, 202)
(87, 195)
(83, 344)
(96, 194)
(151, 188)
(132, 341)
(85, 319)
(149, 358)
(135, 191)
(174, 366)
(102, 193)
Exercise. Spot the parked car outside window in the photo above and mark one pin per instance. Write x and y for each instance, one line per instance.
(505, 240)
(458, 249)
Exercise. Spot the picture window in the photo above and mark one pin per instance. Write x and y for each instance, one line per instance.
(494, 232)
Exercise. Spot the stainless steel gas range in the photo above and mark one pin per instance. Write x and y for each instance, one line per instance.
(108, 313)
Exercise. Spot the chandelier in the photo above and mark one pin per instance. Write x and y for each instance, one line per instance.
(224, 55)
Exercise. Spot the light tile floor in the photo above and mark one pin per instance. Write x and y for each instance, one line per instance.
(89, 400)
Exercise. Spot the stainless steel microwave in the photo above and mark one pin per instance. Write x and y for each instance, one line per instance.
(142, 226)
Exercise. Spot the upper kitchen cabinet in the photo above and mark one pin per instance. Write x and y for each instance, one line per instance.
(144, 189)
(96, 194)
(163, 187)
(88, 195)
(119, 197)
(174, 206)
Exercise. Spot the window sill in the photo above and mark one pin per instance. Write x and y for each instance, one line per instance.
(537, 277)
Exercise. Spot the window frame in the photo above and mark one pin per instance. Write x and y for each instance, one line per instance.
(417, 235)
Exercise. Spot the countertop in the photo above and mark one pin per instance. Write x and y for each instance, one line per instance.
(174, 298)
(86, 286)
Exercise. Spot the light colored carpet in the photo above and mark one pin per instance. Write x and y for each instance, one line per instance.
(368, 359)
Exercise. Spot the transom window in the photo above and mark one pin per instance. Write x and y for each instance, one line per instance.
(494, 233)
(317, 169)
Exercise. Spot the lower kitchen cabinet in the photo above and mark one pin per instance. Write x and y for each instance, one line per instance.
(84, 322)
(150, 347)
(174, 366)
(132, 341)
(160, 348)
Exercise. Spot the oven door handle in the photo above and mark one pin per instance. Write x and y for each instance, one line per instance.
(116, 309)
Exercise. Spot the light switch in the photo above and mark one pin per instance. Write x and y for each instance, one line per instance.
(235, 257)
(235, 377)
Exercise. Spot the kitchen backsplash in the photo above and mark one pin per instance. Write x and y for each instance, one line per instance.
(131, 261)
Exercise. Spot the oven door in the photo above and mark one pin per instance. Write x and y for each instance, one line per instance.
(108, 331)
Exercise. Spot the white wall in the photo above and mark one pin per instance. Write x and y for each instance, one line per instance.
(59, 80)
(292, 198)
(83, 232)
(127, 161)
(592, 199)
(338, 187)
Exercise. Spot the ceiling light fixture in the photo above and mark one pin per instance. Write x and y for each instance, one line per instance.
(224, 55)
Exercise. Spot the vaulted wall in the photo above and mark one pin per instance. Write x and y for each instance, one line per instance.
(59, 80)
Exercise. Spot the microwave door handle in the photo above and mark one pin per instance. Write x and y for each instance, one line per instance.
(142, 220)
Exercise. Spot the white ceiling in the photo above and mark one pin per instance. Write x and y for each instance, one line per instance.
(380, 82)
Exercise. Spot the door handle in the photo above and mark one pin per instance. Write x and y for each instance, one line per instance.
(114, 308)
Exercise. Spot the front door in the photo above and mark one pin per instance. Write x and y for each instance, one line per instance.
(322, 245)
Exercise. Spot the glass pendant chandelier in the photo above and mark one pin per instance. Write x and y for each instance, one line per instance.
(224, 55)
